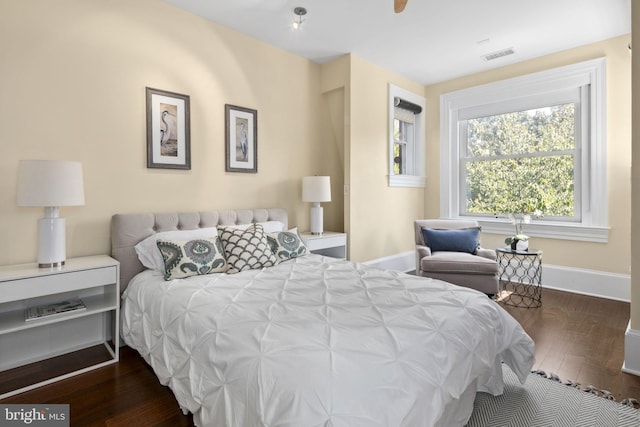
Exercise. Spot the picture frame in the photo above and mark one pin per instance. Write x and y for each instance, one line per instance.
(168, 130)
(241, 139)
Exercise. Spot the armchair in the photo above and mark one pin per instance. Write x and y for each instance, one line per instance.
(477, 270)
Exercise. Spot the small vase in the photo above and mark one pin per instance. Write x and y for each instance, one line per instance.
(522, 245)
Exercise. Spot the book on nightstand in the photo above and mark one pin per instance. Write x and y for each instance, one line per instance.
(48, 310)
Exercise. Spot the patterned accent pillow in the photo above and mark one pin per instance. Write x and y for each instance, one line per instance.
(147, 249)
(287, 244)
(184, 258)
(246, 249)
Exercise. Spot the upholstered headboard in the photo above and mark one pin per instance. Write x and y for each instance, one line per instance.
(129, 229)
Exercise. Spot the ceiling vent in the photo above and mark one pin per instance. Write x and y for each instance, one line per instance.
(499, 54)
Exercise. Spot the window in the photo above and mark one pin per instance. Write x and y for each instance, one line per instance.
(534, 143)
(523, 161)
(403, 141)
(406, 138)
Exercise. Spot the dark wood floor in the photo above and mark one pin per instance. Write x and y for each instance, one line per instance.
(581, 338)
(577, 337)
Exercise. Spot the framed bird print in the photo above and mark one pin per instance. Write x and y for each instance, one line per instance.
(168, 135)
(241, 139)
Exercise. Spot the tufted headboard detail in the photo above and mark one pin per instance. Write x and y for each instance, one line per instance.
(129, 229)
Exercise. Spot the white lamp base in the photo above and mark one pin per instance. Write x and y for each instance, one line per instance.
(316, 227)
(51, 242)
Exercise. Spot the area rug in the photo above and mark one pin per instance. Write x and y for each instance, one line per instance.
(544, 401)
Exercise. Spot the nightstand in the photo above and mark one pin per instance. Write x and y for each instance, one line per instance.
(330, 243)
(520, 276)
(40, 351)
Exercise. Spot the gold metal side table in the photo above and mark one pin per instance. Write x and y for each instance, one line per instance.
(520, 277)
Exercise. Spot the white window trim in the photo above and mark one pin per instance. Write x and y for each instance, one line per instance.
(417, 157)
(594, 225)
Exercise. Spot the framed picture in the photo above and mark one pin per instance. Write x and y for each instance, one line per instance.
(241, 147)
(168, 137)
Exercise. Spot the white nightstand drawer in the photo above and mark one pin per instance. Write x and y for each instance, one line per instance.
(330, 243)
(34, 287)
(326, 242)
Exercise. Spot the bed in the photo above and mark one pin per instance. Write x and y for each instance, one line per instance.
(311, 340)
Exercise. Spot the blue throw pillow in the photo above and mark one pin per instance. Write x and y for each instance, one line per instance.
(464, 240)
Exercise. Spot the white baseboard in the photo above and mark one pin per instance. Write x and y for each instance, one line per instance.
(587, 282)
(579, 281)
(631, 351)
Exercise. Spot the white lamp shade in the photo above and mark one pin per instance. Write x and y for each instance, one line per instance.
(316, 189)
(50, 183)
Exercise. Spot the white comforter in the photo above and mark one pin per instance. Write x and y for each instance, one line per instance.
(321, 342)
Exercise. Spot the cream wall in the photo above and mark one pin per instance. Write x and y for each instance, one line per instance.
(335, 89)
(613, 256)
(380, 217)
(72, 86)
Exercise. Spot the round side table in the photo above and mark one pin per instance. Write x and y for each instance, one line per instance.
(520, 277)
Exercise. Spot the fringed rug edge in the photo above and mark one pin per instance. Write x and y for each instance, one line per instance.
(605, 394)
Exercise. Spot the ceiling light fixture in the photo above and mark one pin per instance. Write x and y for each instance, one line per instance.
(300, 12)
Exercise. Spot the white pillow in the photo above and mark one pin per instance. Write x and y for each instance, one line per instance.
(267, 226)
(151, 257)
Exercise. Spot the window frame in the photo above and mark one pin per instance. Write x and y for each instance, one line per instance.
(540, 88)
(415, 148)
(406, 145)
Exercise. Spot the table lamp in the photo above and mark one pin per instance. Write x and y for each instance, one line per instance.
(316, 189)
(50, 184)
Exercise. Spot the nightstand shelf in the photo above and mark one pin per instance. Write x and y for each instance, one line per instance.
(70, 343)
(13, 321)
(330, 243)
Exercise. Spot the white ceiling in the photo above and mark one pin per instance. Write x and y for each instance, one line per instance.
(432, 40)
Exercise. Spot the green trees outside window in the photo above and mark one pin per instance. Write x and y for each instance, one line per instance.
(522, 162)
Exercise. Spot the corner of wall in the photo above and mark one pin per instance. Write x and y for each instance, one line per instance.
(631, 363)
